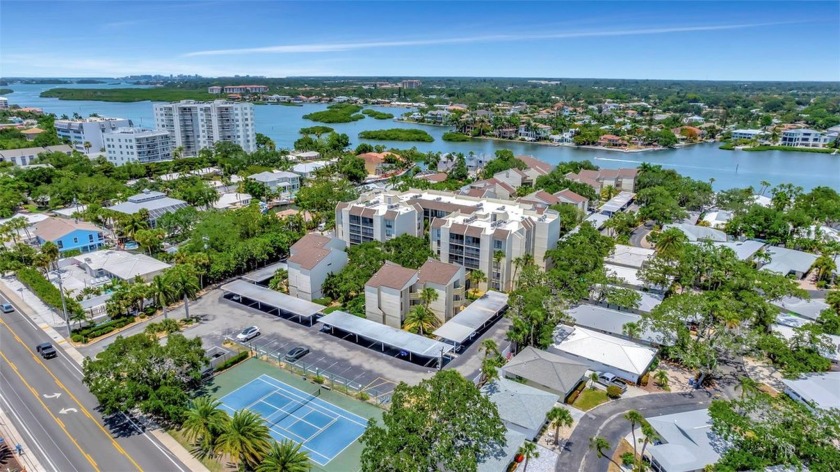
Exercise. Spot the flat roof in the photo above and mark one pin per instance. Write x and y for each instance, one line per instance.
(607, 319)
(820, 390)
(265, 273)
(618, 202)
(273, 298)
(385, 334)
(473, 318)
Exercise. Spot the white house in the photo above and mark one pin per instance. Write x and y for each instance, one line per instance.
(816, 390)
(285, 183)
(747, 134)
(626, 359)
(312, 259)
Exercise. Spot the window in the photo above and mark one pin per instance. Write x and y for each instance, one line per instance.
(75, 240)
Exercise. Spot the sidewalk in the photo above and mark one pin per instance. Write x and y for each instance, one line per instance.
(39, 313)
(12, 438)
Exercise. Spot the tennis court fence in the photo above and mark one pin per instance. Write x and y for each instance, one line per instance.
(320, 376)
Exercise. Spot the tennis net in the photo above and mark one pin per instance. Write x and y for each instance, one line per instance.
(301, 403)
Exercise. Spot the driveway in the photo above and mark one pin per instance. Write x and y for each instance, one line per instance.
(606, 421)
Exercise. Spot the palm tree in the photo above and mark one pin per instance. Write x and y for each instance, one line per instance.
(87, 146)
(764, 186)
(559, 417)
(51, 252)
(634, 417)
(285, 456)
(184, 284)
(491, 362)
(131, 224)
(669, 243)
(420, 320)
(161, 292)
(427, 296)
(650, 436)
(245, 439)
(205, 421)
(825, 266)
(529, 450)
(599, 444)
(661, 378)
(476, 277)
(608, 192)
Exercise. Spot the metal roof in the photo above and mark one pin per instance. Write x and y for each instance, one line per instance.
(384, 334)
(273, 298)
(810, 308)
(618, 202)
(698, 233)
(612, 321)
(820, 390)
(689, 442)
(784, 260)
(743, 249)
(619, 353)
(473, 318)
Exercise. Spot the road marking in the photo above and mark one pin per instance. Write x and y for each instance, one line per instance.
(24, 427)
(66, 390)
(58, 421)
(52, 395)
(64, 411)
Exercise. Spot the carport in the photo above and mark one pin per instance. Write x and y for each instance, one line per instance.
(272, 301)
(474, 319)
(266, 273)
(386, 336)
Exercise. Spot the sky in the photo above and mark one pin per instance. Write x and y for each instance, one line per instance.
(751, 40)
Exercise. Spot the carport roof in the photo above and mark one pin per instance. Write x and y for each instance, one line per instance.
(381, 333)
(265, 273)
(479, 312)
(273, 298)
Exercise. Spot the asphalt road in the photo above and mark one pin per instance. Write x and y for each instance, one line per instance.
(57, 416)
(607, 421)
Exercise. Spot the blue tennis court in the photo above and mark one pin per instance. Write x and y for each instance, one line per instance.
(322, 429)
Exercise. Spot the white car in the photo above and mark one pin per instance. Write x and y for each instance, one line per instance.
(248, 333)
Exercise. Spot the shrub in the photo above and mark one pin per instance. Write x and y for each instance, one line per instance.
(573, 396)
(613, 392)
(645, 379)
(628, 459)
(323, 301)
(363, 396)
(104, 328)
(47, 292)
(318, 379)
(232, 361)
(77, 338)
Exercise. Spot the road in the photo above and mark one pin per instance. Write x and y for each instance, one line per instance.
(57, 416)
(606, 421)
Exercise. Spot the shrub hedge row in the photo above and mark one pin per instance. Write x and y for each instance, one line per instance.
(46, 291)
(82, 335)
(232, 361)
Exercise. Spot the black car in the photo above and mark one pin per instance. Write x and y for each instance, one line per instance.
(46, 350)
(296, 353)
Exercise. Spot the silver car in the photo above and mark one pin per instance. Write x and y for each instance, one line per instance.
(248, 333)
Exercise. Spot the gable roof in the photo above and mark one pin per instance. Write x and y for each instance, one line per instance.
(697, 233)
(51, 228)
(541, 196)
(392, 275)
(520, 405)
(556, 372)
(437, 272)
(567, 194)
(785, 261)
(309, 251)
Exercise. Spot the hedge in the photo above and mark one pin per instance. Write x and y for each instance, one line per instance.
(613, 392)
(232, 361)
(46, 291)
(101, 329)
(573, 396)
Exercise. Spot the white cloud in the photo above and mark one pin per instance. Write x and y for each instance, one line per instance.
(340, 47)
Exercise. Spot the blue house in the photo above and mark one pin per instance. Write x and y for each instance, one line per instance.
(70, 235)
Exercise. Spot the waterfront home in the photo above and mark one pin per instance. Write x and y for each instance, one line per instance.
(311, 260)
(807, 138)
(376, 162)
(747, 134)
(611, 140)
(304, 155)
(69, 235)
(231, 200)
(308, 169)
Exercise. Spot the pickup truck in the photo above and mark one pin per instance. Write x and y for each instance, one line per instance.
(607, 379)
(46, 350)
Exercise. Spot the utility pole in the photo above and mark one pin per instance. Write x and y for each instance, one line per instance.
(63, 303)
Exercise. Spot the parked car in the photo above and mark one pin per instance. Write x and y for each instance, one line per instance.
(7, 308)
(248, 333)
(296, 353)
(606, 379)
(46, 350)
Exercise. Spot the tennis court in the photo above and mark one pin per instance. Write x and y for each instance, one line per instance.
(323, 429)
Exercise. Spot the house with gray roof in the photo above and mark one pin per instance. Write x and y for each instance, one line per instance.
(500, 458)
(744, 250)
(687, 442)
(286, 184)
(696, 233)
(788, 261)
(156, 203)
(612, 322)
(815, 390)
(546, 371)
(522, 408)
(806, 308)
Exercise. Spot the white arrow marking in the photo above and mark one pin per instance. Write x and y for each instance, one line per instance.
(52, 395)
(64, 411)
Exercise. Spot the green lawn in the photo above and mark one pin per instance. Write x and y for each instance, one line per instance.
(589, 399)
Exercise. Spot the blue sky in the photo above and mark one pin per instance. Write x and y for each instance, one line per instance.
(648, 40)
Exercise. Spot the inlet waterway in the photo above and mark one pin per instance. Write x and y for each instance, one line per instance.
(702, 161)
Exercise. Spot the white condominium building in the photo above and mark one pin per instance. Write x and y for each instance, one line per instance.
(198, 125)
(464, 230)
(137, 145)
(88, 130)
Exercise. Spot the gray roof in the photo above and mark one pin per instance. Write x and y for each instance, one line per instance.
(617, 202)
(806, 308)
(647, 300)
(94, 302)
(269, 177)
(500, 458)
(784, 260)
(381, 333)
(265, 273)
(521, 408)
(473, 318)
(553, 371)
(820, 390)
(689, 443)
(743, 249)
(698, 233)
(156, 203)
(273, 298)
(608, 320)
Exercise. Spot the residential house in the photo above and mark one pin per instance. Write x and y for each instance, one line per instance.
(718, 218)
(686, 442)
(744, 250)
(285, 184)
(816, 391)
(304, 155)
(376, 162)
(489, 188)
(611, 140)
(448, 282)
(31, 133)
(806, 138)
(809, 308)
(390, 294)
(747, 134)
(546, 371)
(626, 359)
(625, 262)
(311, 260)
(610, 321)
(69, 235)
(621, 179)
(232, 200)
(307, 170)
(698, 233)
(788, 261)
(521, 408)
(156, 203)
(121, 265)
